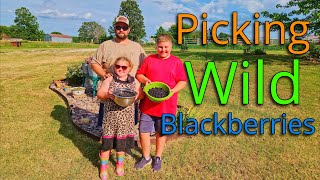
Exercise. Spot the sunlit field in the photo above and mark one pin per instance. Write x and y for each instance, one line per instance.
(38, 140)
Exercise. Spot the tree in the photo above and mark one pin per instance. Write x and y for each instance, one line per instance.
(131, 10)
(26, 25)
(161, 30)
(307, 10)
(105, 38)
(4, 31)
(173, 30)
(223, 36)
(92, 31)
(55, 32)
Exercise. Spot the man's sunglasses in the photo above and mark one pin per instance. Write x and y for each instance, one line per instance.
(122, 67)
(122, 27)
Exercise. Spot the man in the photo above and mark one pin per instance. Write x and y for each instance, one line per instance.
(103, 60)
(105, 56)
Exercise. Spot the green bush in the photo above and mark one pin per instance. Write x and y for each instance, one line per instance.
(183, 47)
(246, 50)
(314, 52)
(152, 44)
(259, 52)
(74, 75)
(254, 50)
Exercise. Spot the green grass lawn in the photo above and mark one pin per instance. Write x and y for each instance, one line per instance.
(45, 45)
(38, 140)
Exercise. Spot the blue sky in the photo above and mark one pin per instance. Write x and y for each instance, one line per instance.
(66, 16)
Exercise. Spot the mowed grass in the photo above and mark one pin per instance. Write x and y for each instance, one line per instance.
(38, 140)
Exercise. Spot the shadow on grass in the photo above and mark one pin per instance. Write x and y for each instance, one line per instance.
(87, 146)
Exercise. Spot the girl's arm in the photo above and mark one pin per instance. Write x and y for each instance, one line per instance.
(103, 92)
(180, 85)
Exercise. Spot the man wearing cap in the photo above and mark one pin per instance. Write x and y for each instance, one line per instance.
(105, 56)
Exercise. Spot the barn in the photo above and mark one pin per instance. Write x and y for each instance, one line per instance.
(58, 38)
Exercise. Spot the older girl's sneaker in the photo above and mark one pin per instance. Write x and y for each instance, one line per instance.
(142, 163)
(157, 164)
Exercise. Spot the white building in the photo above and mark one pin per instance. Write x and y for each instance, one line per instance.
(58, 38)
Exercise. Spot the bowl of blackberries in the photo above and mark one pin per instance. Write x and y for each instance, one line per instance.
(157, 91)
(124, 97)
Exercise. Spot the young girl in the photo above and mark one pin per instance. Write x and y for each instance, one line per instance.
(118, 122)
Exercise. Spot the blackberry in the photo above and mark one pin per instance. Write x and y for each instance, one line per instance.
(124, 93)
(158, 92)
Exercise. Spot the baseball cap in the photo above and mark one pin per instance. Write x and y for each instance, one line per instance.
(122, 19)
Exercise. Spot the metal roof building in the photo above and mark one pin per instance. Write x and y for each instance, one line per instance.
(58, 38)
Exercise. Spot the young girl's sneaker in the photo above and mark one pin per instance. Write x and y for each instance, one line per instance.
(104, 176)
(120, 171)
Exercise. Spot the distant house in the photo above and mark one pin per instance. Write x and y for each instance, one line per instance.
(58, 38)
(16, 42)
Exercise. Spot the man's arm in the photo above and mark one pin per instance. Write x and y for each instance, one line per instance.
(96, 62)
(99, 70)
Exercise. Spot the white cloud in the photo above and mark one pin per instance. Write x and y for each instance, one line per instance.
(220, 10)
(188, 1)
(214, 7)
(103, 20)
(53, 13)
(271, 5)
(6, 11)
(172, 7)
(207, 7)
(162, 2)
(167, 25)
(282, 2)
(87, 15)
(242, 15)
(254, 6)
(48, 4)
(216, 17)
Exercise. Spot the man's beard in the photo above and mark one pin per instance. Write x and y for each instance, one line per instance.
(122, 36)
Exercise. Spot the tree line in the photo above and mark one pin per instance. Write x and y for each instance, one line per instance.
(26, 25)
